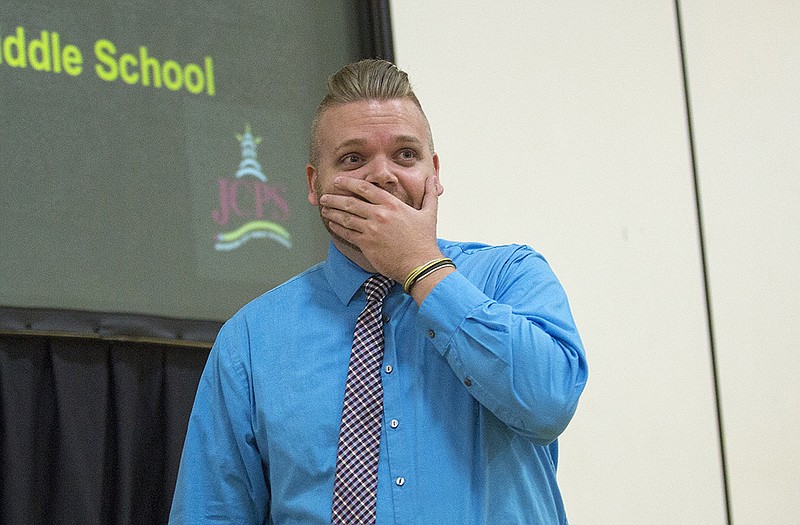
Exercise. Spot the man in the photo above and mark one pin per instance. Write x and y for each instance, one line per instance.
(480, 371)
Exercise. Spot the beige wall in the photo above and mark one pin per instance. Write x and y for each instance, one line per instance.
(744, 67)
(563, 126)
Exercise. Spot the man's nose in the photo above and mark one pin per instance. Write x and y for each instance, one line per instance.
(381, 172)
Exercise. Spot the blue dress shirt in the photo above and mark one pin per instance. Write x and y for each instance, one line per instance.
(478, 383)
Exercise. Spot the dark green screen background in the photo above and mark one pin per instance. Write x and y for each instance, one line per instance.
(107, 189)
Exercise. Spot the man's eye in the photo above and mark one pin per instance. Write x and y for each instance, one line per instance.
(408, 154)
(351, 159)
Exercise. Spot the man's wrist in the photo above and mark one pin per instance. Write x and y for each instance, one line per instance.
(419, 292)
(425, 270)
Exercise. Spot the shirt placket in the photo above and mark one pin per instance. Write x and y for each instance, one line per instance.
(397, 428)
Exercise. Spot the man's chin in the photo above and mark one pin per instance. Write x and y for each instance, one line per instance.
(339, 240)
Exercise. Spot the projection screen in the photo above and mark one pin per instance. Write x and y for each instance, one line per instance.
(152, 153)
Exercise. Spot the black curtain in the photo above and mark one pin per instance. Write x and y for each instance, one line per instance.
(376, 35)
(91, 430)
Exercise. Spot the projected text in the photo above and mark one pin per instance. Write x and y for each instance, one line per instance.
(47, 52)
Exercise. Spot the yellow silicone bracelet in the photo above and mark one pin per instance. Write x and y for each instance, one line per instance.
(414, 274)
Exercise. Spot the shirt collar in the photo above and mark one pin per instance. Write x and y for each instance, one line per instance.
(344, 276)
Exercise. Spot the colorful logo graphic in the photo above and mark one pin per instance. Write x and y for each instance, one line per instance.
(249, 207)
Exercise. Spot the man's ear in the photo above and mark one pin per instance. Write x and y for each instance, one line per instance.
(439, 187)
(311, 178)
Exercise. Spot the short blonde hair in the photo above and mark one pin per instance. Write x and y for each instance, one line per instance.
(369, 79)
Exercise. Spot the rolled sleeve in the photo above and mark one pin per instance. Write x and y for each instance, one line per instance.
(517, 352)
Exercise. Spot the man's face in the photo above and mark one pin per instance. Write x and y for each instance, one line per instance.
(386, 142)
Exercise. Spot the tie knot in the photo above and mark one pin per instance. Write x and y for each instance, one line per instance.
(376, 287)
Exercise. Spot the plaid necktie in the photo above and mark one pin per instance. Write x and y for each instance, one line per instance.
(355, 488)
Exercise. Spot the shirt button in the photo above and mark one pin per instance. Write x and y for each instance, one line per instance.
(400, 481)
(468, 382)
(388, 369)
(394, 423)
(431, 334)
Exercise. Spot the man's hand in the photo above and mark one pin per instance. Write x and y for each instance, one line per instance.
(393, 236)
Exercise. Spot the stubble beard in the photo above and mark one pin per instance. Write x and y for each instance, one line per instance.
(337, 238)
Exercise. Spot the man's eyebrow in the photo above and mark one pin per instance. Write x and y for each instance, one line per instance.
(408, 139)
(350, 144)
(359, 142)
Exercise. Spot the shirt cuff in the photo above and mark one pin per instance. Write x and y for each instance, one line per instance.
(446, 307)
